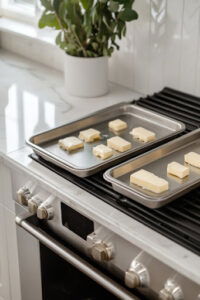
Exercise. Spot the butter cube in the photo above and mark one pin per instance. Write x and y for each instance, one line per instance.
(143, 134)
(117, 125)
(102, 151)
(149, 181)
(70, 143)
(177, 169)
(89, 135)
(193, 159)
(119, 144)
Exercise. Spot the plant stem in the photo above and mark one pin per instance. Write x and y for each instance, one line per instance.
(79, 43)
(74, 32)
(60, 23)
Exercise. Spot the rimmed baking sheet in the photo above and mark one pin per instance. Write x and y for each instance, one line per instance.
(156, 161)
(82, 162)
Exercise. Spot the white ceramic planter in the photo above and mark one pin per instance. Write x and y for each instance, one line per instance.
(86, 77)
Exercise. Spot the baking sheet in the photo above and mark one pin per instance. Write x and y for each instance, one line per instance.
(156, 161)
(82, 162)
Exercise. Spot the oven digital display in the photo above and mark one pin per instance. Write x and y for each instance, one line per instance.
(76, 222)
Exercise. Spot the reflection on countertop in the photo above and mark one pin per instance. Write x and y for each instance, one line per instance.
(33, 99)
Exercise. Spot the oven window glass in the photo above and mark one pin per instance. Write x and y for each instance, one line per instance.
(61, 281)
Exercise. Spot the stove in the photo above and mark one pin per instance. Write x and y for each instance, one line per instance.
(127, 271)
(180, 220)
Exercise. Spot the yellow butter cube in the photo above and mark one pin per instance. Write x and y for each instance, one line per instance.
(117, 125)
(89, 135)
(102, 151)
(70, 143)
(149, 181)
(143, 134)
(119, 144)
(193, 159)
(177, 169)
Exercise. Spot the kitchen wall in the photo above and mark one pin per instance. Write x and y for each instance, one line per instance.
(162, 48)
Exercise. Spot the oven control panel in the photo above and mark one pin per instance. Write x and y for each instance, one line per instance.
(133, 265)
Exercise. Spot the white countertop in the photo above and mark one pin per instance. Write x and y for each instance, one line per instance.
(33, 99)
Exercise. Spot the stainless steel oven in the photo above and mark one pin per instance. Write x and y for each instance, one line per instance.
(65, 253)
(50, 249)
(51, 268)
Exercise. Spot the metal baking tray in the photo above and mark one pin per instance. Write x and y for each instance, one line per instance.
(156, 161)
(82, 162)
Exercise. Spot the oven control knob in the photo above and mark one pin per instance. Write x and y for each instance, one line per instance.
(34, 203)
(101, 252)
(171, 291)
(46, 211)
(132, 279)
(23, 196)
(165, 295)
(136, 276)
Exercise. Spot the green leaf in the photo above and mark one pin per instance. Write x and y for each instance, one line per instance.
(56, 4)
(88, 28)
(95, 46)
(128, 15)
(48, 20)
(47, 4)
(87, 4)
(114, 6)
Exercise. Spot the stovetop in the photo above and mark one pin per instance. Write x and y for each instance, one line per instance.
(179, 220)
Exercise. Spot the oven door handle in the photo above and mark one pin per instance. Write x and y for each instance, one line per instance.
(76, 261)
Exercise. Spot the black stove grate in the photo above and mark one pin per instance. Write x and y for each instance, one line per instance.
(175, 104)
(179, 220)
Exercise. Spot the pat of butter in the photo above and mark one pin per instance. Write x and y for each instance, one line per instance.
(149, 181)
(177, 169)
(119, 144)
(193, 159)
(143, 134)
(89, 135)
(117, 125)
(102, 151)
(70, 143)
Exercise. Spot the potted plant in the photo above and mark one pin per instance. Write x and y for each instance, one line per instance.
(88, 33)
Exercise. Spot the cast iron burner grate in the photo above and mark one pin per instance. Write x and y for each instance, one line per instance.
(179, 220)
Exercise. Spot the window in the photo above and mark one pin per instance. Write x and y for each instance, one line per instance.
(23, 10)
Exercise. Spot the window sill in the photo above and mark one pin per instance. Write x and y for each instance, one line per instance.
(31, 42)
(39, 45)
(27, 30)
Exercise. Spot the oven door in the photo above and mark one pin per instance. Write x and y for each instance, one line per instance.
(50, 269)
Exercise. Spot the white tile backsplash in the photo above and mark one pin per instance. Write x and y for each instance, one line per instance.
(162, 48)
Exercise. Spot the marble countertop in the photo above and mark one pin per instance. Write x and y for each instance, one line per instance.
(33, 99)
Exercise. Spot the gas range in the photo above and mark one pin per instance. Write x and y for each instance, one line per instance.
(136, 269)
(180, 220)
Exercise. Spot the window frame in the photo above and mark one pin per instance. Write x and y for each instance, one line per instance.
(19, 11)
